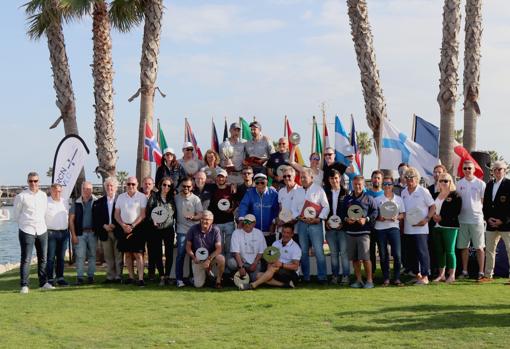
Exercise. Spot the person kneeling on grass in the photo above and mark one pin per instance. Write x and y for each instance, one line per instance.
(208, 236)
(283, 272)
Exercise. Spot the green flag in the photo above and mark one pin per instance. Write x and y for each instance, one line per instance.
(318, 142)
(245, 129)
(161, 139)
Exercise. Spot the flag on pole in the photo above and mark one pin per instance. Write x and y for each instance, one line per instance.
(460, 154)
(396, 148)
(325, 134)
(354, 145)
(298, 157)
(151, 150)
(316, 138)
(161, 139)
(225, 131)
(190, 137)
(214, 139)
(342, 142)
(245, 129)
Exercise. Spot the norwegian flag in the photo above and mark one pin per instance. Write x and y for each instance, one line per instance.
(354, 144)
(151, 150)
(189, 136)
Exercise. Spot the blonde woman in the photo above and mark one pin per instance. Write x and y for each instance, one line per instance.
(315, 160)
(212, 165)
(444, 234)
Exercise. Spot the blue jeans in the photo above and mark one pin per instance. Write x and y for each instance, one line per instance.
(86, 248)
(26, 243)
(338, 247)
(57, 246)
(181, 254)
(422, 264)
(226, 230)
(391, 236)
(313, 233)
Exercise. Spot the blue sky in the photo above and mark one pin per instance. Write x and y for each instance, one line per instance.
(267, 59)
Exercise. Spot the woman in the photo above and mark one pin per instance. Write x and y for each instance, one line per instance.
(212, 165)
(335, 236)
(315, 160)
(162, 231)
(420, 208)
(170, 167)
(444, 234)
(387, 230)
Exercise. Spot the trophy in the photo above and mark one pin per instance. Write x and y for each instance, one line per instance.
(228, 153)
(294, 138)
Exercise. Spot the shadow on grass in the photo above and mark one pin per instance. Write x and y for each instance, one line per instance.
(428, 317)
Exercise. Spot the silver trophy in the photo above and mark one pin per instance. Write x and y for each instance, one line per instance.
(294, 138)
(228, 153)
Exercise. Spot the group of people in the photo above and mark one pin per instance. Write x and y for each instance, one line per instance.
(223, 214)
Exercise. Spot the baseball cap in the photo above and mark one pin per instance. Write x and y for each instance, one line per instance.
(250, 217)
(255, 124)
(187, 145)
(235, 125)
(259, 175)
(169, 150)
(222, 172)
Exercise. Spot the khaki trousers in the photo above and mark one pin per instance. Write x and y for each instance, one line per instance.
(113, 258)
(491, 242)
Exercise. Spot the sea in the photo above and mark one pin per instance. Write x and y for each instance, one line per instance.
(9, 244)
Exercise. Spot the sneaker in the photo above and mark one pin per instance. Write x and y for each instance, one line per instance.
(90, 280)
(24, 290)
(140, 283)
(345, 280)
(291, 284)
(51, 282)
(62, 282)
(421, 282)
(482, 278)
(246, 287)
(162, 282)
(334, 280)
(369, 285)
(47, 286)
(79, 282)
(463, 275)
(180, 283)
(357, 284)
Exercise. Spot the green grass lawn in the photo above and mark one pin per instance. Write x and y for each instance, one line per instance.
(462, 315)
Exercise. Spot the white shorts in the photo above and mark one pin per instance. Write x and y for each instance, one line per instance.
(474, 233)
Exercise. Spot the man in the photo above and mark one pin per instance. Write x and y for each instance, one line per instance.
(401, 183)
(358, 231)
(288, 192)
(309, 228)
(263, 204)
(147, 187)
(248, 183)
(83, 237)
(434, 188)
(103, 212)
(189, 210)
(471, 190)
(189, 160)
(283, 272)
(202, 189)
(375, 192)
(330, 164)
(247, 246)
(496, 211)
(130, 215)
(205, 235)
(223, 213)
(29, 209)
(57, 222)
(258, 149)
(238, 144)
(277, 160)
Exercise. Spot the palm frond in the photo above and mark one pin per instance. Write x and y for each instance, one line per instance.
(126, 14)
(76, 9)
(40, 14)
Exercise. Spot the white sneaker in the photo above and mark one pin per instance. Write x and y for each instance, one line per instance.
(47, 286)
(24, 290)
(345, 279)
(180, 283)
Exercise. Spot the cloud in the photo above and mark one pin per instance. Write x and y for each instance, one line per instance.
(200, 24)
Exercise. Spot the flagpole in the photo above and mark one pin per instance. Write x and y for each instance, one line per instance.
(414, 128)
(323, 134)
(185, 126)
(157, 135)
(379, 145)
(313, 135)
(285, 126)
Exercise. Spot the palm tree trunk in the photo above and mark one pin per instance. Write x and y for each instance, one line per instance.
(448, 67)
(375, 105)
(472, 55)
(153, 13)
(102, 72)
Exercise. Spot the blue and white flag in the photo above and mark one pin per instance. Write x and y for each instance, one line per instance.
(342, 142)
(426, 135)
(396, 148)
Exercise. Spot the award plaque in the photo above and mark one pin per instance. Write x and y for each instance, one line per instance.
(159, 214)
(355, 212)
(271, 254)
(201, 253)
(334, 222)
(389, 210)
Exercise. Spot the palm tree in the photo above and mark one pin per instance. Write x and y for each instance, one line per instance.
(45, 18)
(448, 67)
(495, 156)
(472, 55)
(375, 105)
(458, 135)
(121, 178)
(364, 146)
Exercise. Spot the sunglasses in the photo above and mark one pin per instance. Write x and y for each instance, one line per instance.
(189, 149)
(316, 158)
(260, 182)
(33, 181)
(410, 177)
(329, 154)
(186, 186)
(499, 169)
(287, 176)
(387, 184)
(167, 154)
(444, 181)
(246, 221)
(166, 185)
(130, 184)
(282, 143)
(467, 168)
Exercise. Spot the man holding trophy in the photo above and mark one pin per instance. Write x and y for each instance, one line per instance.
(258, 149)
(232, 154)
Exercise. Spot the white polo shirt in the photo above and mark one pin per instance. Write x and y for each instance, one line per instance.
(401, 209)
(248, 245)
(131, 206)
(57, 214)
(288, 253)
(421, 199)
(314, 194)
(285, 197)
(29, 211)
(471, 193)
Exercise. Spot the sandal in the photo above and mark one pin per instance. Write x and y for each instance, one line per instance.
(386, 283)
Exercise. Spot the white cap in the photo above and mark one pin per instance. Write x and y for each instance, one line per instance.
(222, 172)
(169, 150)
(187, 145)
(260, 175)
(249, 217)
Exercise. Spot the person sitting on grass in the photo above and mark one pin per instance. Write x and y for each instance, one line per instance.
(283, 272)
(208, 236)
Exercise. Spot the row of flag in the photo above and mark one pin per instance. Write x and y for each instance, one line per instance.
(396, 147)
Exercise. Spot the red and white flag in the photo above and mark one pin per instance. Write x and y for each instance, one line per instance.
(151, 150)
(460, 155)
